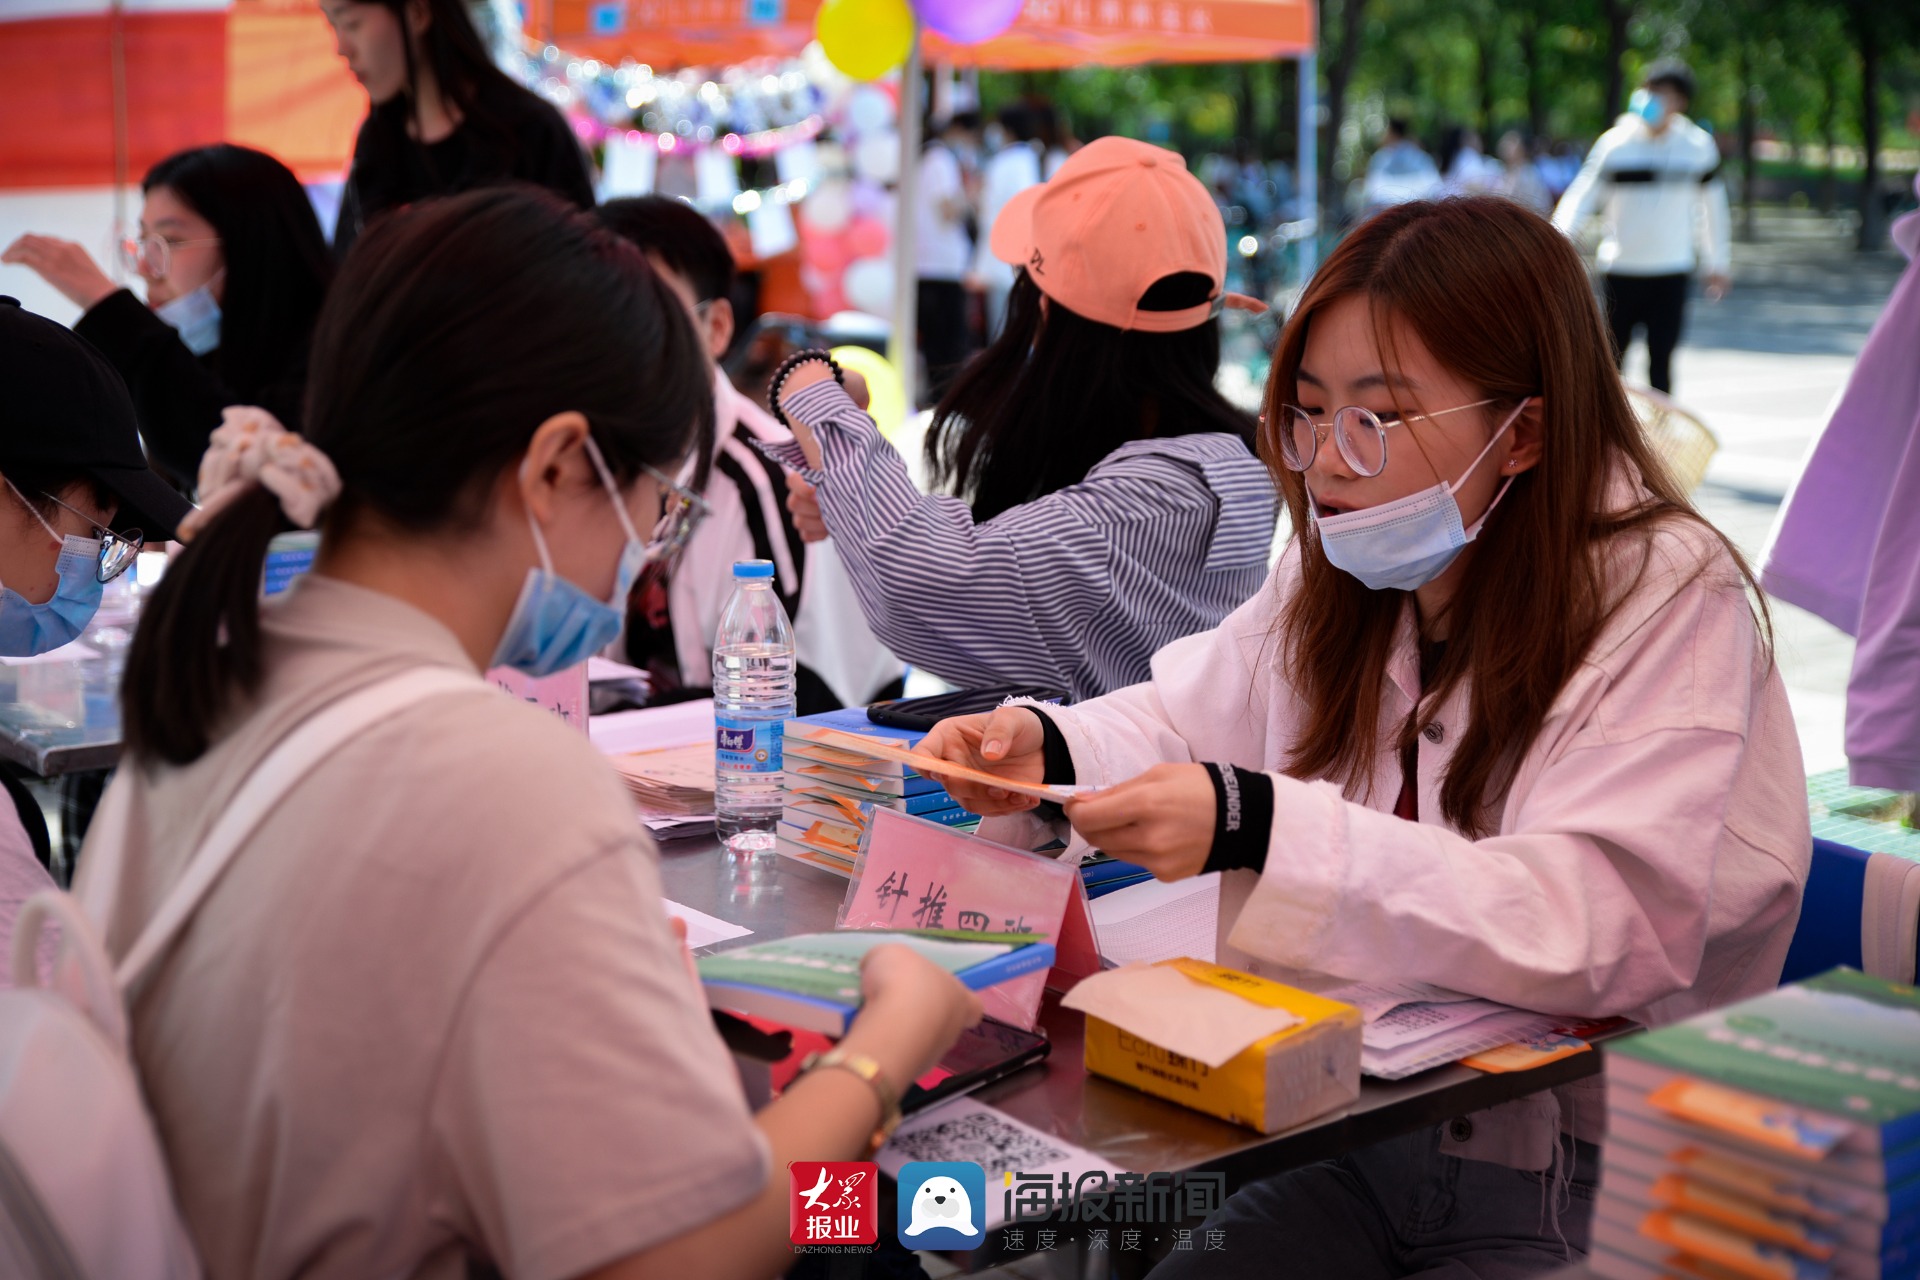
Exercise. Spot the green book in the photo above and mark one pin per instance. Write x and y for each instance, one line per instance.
(1837, 1056)
(812, 980)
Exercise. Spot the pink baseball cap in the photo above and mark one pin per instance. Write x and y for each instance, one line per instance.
(1118, 216)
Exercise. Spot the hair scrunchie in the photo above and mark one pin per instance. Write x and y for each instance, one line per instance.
(250, 445)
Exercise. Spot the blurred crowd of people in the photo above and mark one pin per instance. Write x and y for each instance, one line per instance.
(969, 170)
(1536, 172)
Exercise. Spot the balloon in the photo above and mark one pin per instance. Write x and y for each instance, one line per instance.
(886, 389)
(865, 38)
(870, 109)
(876, 157)
(968, 21)
(869, 285)
(828, 301)
(826, 253)
(828, 207)
(867, 238)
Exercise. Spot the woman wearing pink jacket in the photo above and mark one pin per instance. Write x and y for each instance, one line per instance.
(1503, 720)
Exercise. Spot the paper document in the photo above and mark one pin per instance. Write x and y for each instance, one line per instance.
(650, 729)
(1456, 1040)
(670, 780)
(601, 669)
(677, 826)
(704, 930)
(1376, 999)
(935, 767)
(1158, 921)
(987, 1136)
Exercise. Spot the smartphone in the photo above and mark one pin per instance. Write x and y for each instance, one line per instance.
(985, 1052)
(921, 714)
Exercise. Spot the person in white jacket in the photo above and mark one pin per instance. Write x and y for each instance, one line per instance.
(1656, 174)
(1502, 720)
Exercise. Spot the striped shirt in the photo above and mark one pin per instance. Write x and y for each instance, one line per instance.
(1074, 590)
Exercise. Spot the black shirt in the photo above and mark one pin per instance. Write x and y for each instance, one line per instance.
(178, 396)
(523, 139)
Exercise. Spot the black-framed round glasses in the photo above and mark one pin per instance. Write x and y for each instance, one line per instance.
(1359, 434)
(118, 551)
(681, 511)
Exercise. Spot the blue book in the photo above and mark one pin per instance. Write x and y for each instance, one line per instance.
(812, 981)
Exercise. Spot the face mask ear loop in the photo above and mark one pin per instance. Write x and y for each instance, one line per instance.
(539, 539)
(1473, 466)
(35, 513)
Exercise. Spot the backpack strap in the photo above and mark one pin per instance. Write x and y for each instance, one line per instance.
(291, 760)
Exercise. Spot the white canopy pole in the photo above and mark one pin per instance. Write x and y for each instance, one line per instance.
(906, 282)
(1307, 180)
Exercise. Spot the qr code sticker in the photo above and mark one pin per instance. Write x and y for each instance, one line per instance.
(991, 1141)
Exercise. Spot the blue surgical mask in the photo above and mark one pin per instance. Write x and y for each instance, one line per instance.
(197, 318)
(1648, 105)
(555, 624)
(27, 628)
(1406, 543)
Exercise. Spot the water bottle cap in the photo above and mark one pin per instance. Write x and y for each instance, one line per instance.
(753, 569)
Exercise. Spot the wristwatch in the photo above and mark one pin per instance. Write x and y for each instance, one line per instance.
(869, 1070)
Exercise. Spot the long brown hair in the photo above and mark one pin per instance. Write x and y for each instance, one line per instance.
(1502, 301)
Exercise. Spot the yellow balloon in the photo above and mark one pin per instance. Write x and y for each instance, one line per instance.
(865, 38)
(886, 389)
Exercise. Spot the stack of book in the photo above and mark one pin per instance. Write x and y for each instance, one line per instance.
(828, 785)
(1778, 1137)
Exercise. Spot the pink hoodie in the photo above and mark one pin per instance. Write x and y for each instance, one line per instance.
(1650, 853)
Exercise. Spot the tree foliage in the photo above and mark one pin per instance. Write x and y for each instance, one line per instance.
(1790, 71)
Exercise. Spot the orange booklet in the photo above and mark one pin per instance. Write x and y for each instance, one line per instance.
(935, 767)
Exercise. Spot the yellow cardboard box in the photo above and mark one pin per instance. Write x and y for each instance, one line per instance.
(1288, 1078)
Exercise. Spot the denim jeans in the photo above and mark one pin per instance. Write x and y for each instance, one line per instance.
(1398, 1209)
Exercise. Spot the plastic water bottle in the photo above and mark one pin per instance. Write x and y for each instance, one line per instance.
(753, 697)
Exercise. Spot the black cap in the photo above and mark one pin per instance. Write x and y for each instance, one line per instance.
(64, 406)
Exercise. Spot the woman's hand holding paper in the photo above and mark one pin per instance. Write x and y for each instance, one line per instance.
(1007, 741)
(1162, 820)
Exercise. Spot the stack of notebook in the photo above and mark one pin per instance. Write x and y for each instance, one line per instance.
(828, 785)
(1778, 1137)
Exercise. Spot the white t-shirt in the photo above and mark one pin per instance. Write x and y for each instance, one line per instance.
(1013, 169)
(942, 247)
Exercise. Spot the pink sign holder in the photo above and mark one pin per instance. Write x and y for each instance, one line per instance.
(914, 874)
(564, 693)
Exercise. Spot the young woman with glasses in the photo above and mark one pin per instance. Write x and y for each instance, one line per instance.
(234, 268)
(433, 1016)
(1503, 720)
(77, 501)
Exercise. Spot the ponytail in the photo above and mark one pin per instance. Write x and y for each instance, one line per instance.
(198, 645)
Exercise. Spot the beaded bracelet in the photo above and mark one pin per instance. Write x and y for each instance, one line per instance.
(786, 369)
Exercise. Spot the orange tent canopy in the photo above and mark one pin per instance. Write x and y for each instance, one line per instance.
(258, 72)
(1048, 33)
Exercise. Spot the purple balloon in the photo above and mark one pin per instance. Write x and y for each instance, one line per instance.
(968, 21)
